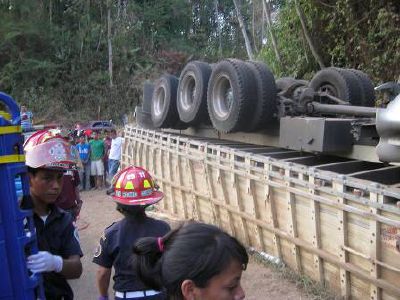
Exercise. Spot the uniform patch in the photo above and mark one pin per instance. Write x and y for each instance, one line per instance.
(97, 253)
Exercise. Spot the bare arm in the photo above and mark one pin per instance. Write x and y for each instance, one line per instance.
(72, 267)
(103, 276)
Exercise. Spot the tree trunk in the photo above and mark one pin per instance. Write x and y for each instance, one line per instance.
(267, 13)
(244, 31)
(254, 31)
(263, 21)
(101, 29)
(218, 28)
(109, 39)
(307, 35)
(51, 13)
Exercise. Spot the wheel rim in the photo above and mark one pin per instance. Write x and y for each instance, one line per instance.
(159, 102)
(329, 89)
(222, 97)
(188, 91)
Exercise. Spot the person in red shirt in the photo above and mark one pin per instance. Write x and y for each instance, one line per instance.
(69, 198)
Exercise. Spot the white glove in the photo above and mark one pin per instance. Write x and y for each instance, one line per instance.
(44, 261)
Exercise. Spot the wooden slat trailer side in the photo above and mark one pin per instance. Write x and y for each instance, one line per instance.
(332, 219)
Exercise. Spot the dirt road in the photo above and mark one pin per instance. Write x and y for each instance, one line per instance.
(99, 211)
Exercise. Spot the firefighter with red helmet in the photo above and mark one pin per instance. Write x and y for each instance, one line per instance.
(134, 190)
(69, 198)
(48, 156)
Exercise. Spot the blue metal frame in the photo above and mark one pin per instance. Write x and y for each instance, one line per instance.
(17, 232)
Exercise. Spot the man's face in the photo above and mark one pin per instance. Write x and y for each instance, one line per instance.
(46, 185)
(82, 140)
(23, 108)
(113, 134)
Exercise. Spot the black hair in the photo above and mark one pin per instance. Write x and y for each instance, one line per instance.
(132, 211)
(33, 171)
(195, 251)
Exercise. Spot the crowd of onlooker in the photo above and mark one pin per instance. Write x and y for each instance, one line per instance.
(100, 155)
(99, 152)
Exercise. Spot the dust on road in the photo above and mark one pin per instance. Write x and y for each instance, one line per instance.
(98, 212)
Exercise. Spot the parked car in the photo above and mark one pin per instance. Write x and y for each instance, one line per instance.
(99, 125)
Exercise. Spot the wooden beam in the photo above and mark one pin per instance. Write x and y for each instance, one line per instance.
(272, 211)
(291, 204)
(345, 284)
(375, 247)
(236, 196)
(316, 229)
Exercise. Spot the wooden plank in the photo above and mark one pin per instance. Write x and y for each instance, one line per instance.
(211, 195)
(345, 284)
(272, 211)
(226, 199)
(316, 229)
(196, 211)
(164, 184)
(257, 209)
(181, 183)
(375, 247)
(291, 203)
(172, 201)
(238, 200)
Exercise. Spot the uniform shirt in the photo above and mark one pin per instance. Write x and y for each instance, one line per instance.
(115, 249)
(59, 237)
(96, 149)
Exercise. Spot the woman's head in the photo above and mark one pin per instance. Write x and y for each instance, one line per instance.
(195, 261)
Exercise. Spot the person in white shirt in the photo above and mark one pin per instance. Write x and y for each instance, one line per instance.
(26, 119)
(114, 157)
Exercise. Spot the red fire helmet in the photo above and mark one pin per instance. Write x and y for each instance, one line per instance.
(48, 149)
(134, 186)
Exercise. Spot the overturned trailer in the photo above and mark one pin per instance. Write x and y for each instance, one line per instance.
(289, 167)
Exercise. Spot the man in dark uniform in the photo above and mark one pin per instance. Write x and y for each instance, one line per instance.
(134, 191)
(47, 157)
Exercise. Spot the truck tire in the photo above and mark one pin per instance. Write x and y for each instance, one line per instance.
(163, 108)
(148, 89)
(231, 96)
(192, 93)
(288, 84)
(339, 83)
(143, 118)
(367, 86)
(266, 107)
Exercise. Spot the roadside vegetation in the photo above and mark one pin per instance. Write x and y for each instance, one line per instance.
(71, 60)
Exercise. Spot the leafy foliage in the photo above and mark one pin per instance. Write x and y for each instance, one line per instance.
(54, 53)
(348, 33)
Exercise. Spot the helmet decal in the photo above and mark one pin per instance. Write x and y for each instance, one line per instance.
(58, 152)
(129, 186)
(147, 192)
(146, 184)
(130, 176)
